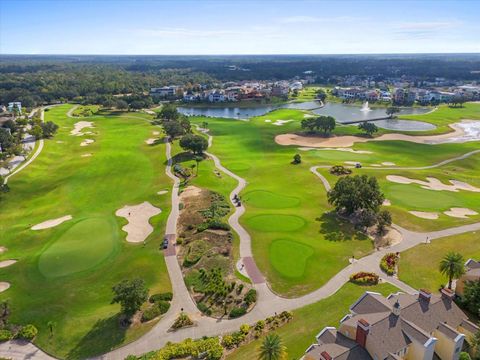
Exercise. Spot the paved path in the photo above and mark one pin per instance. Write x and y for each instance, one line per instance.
(268, 303)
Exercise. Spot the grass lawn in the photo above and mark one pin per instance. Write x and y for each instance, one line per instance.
(287, 207)
(419, 266)
(446, 115)
(308, 321)
(65, 274)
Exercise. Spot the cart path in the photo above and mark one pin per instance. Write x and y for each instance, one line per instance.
(268, 303)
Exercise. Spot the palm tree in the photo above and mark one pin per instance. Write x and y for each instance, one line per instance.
(272, 348)
(452, 266)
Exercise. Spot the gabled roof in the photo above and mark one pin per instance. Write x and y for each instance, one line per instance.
(337, 346)
(371, 302)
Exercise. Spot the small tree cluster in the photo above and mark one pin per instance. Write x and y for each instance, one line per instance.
(174, 124)
(324, 123)
(368, 128)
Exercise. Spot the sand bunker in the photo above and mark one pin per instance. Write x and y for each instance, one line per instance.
(150, 141)
(86, 142)
(336, 149)
(268, 120)
(386, 202)
(79, 126)
(388, 163)
(464, 131)
(4, 286)
(87, 155)
(155, 133)
(190, 191)
(434, 184)
(281, 122)
(6, 263)
(51, 223)
(3, 249)
(162, 192)
(59, 142)
(138, 216)
(425, 215)
(462, 213)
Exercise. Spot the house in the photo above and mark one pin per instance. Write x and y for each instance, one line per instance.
(216, 96)
(15, 105)
(472, 273)
(401, 326)
(399, 96)
(190, 97)
(165, 91)
(280, 90)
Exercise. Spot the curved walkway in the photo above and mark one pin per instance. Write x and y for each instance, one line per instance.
(268, 303)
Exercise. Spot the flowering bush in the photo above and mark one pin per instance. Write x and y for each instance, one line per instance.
(364, 278)
(389, 263)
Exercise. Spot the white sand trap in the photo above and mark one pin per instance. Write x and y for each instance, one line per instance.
(87, 142)
(138, 216)
(425, 215)
(464, 131)
(190, 191)
(79, 126)
(336, 149)
(4, 286)
(306, 116)
(6, 263)
(87, 155)
(59, 142)
(51, 223)
(156, 133)
(268, 120)
(388, 163)
(162, 192)
(150, 141)
(434, 184)
(462, 213)
(386, 202)
(3, 249)
(281, 122)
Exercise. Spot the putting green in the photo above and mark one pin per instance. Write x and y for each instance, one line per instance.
(414, 197)
(290, 257)
(269, 200)
(276, 222)
(85, 245)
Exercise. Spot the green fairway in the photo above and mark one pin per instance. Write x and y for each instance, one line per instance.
(418, 266)
(268, 200)
(308, 321)
(275, 222)
(290, 257)
(64, 274)
(82, 247)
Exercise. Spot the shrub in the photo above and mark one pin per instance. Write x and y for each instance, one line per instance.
(181, 321)
(211, 347)
(340, 170)
(364, 278)
(151, 313)
(250, 296)
(239, 289)
(260, 325)
(389, 263)
(237, 312)
(5, 335)
(28, 332)
(245, 329)
(163, 306)
(228, 342)
(214, 224)
(204, 308)
(168, 296)
(286, 315)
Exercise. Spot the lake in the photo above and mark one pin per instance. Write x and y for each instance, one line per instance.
(341, 112)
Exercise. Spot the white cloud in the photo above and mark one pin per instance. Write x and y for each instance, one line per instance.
(304, 19)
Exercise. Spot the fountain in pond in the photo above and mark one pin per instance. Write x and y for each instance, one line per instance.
(365, 107)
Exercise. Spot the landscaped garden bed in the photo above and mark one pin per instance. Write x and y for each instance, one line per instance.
(364, 278)
(206, 255)
(389, 263)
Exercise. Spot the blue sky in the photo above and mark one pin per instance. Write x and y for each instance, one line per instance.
(238, 27)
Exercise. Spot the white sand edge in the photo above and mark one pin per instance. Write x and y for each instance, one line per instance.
(51, 223)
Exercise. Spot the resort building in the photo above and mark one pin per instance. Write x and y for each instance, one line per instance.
(165, 91)
(472, 273)
(399, 327)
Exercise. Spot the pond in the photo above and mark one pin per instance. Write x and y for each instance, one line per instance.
(341, 112)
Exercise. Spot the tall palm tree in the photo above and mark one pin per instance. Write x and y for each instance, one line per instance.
(272, 348)
(452, 266)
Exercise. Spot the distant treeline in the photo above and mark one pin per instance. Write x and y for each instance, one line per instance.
(46, 79)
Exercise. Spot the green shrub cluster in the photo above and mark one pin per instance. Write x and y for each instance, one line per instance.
(233, 340)
(27, 332)
(210, 348)
(250, 297)
(168, 296)
(182, 321)
(214, 224)
(150, 313)
(5, 335)
(204, 308)
(237, 312)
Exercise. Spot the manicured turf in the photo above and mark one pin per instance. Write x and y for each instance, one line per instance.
(289, 257)
(65, 274)
(249, 149)
(308, 321)
(418, 266)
